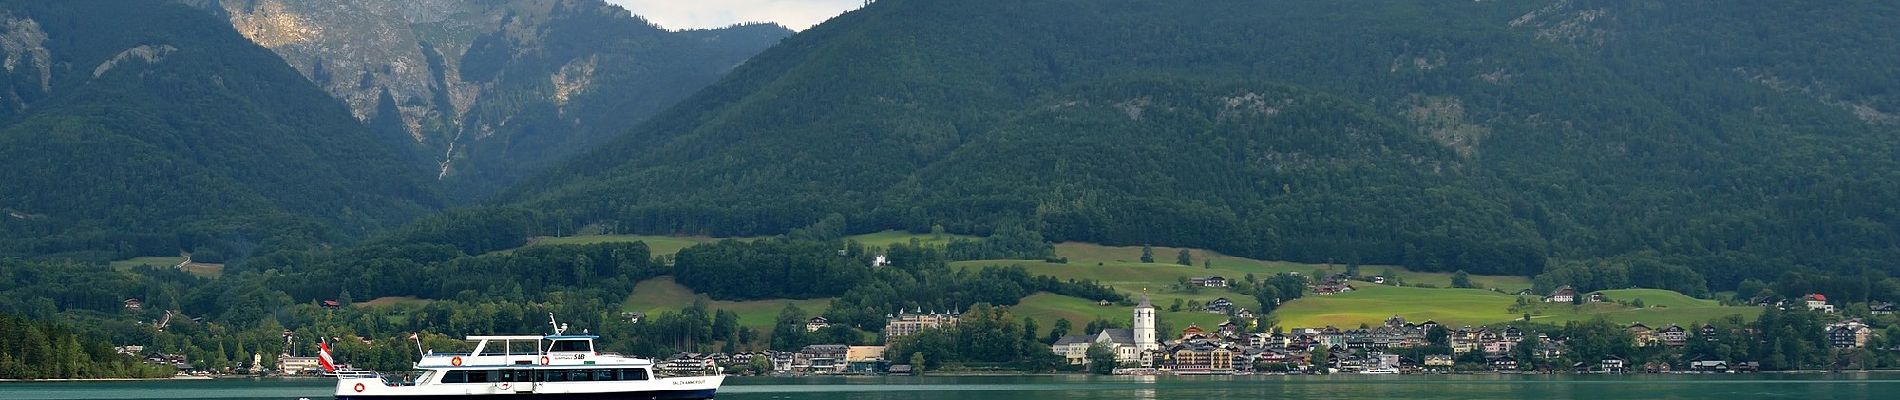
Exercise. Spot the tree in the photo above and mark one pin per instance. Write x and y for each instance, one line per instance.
(1352, 269)
(917, 363)
(1268, 296)
(1101, 359)
(1184, 258)
(1526, 352)
(1462, 280)
(1638, 303)
(788, 333)
(1061, 329)
(1176, 307)
(1320, 355)
(1147, 254)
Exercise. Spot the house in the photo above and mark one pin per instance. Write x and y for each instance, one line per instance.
(1818, 302)
(1439, 361)
(1596, 297)
(1219, 306)
(633, 317)
(823, 358)
(1612, 365)
(1643, 334)
(1707, 364)
(331, 304)
(1881, 308)
(1848, 335)
(1193, 332)
(134, 304)
(1208, 281)
(1505, 363)
(1525, 292)
(1331, 289)
(1378, 279)
(1229, 328)
(1708, 332)
(880, 261)
(1200, 356)
(1564, 294)
(816, 323)
(1673, 336)
(1244, 314)
(902, 369)
(905, 324)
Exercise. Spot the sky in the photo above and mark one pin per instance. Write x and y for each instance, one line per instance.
(690, 14)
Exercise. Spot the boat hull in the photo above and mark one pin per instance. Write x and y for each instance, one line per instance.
(678, 388)
(648, 395)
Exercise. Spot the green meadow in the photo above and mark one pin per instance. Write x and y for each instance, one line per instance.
(662, 294)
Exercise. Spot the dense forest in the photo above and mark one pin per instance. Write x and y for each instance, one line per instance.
(1489, 137)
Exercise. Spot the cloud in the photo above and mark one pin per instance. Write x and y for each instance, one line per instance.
(689, 14)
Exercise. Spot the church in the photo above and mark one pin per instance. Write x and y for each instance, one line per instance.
(1130, 345)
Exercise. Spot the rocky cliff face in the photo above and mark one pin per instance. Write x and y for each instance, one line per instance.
(491, 90)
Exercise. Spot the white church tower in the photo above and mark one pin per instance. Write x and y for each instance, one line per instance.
(1145, 326)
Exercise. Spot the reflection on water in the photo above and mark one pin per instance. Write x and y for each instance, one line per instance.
(1724, 387)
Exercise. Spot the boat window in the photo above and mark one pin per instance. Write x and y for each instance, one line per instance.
(462, 376)
(554, 376)
(510, 375)
(579, 375)
(570, 345)
(605, 375)
(633, 374)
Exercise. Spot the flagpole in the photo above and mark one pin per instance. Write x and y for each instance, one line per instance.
(418, 338)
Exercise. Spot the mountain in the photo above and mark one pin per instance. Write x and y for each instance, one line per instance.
(1484, 136)
(492, 91)
(147, 128)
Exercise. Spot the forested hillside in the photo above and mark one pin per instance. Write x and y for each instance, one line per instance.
(1483, 136)
(490, 92)
(150, 128)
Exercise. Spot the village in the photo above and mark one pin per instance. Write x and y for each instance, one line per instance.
(1239, 346)
(1398, 346)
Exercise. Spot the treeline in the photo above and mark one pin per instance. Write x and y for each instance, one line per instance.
(772, 268)
(39, 350)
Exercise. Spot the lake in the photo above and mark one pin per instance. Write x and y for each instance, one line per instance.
(1726, 387)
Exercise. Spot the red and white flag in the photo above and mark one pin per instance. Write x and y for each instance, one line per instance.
(324, 357)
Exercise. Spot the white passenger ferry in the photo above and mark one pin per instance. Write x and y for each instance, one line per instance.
(558, 366)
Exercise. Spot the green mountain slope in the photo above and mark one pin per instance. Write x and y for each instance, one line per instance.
(144, 128)
(1485, 136)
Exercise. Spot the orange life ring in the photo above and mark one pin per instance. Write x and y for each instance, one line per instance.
(455, 361)
(359, 388)
(544, 360)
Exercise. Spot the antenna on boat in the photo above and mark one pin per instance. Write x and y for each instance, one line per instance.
(559, 329)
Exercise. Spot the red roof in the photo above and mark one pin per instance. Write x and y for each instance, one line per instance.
(1817, 297)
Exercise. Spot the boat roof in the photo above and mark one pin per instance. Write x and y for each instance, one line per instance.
(532, 337)
(506, 337)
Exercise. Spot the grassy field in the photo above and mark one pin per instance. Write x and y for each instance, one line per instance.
(888, 238)
(161, 262)
(1120, 267)
(383, 302)
(658, 295)
(659, 245)
(1046, 308)
(200, 269)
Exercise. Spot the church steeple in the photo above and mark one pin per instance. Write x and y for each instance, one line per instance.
(1144, 325)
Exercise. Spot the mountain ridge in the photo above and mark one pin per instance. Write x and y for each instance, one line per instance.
(1572, 130)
